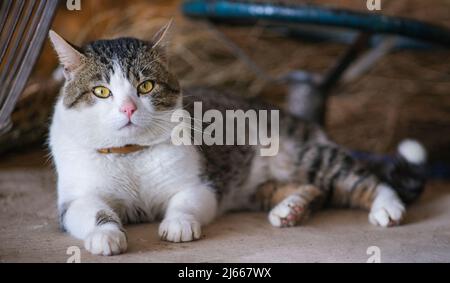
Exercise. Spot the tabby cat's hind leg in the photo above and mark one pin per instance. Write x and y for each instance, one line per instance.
(365, 191)
(387, 209)
(289, 203)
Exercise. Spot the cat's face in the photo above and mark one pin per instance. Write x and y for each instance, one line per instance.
(117, 92)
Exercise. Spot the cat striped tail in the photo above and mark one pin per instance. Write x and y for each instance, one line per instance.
(405, 172)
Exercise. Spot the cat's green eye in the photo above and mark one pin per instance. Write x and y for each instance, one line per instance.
(101, 92)
(145, 87)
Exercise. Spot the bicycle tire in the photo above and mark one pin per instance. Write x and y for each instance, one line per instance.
(313, 14)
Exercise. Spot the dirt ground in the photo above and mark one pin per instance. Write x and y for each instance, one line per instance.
(29, 230)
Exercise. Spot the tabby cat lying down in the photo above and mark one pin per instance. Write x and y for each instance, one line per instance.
(110, 139)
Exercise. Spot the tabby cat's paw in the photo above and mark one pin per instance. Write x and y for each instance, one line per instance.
(106, 241)
(388, 213)
(180, 229)
(289, 212)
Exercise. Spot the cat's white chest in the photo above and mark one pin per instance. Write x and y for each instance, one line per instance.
(149, 178)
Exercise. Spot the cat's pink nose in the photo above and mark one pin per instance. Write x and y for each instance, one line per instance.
(128, 108)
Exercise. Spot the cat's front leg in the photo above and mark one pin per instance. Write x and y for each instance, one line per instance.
(92, 220)
(186, 213)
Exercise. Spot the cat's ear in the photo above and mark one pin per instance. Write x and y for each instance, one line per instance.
(160, 39)
(69, 56)
(160, 42)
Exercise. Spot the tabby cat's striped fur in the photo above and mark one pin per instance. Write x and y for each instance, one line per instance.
(315, 170)
(186, 186)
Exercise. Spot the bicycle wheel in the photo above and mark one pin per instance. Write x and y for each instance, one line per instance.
(312, 14)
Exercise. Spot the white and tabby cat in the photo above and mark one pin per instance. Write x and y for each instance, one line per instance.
(110, 140)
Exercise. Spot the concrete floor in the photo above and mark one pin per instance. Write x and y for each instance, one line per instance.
(29, 230)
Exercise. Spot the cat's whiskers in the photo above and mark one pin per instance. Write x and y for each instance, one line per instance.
(195, 127)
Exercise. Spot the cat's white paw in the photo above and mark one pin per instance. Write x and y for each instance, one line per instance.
(288, 213)
(387, 210)
(388, 215)
(180, 229)
(106, 241)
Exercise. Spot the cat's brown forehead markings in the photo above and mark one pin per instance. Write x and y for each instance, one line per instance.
(78, 92)
(137, 60)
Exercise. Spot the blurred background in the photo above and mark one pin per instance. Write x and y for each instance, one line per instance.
(405, 93)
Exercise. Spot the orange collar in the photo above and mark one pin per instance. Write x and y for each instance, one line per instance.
(122, 150)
